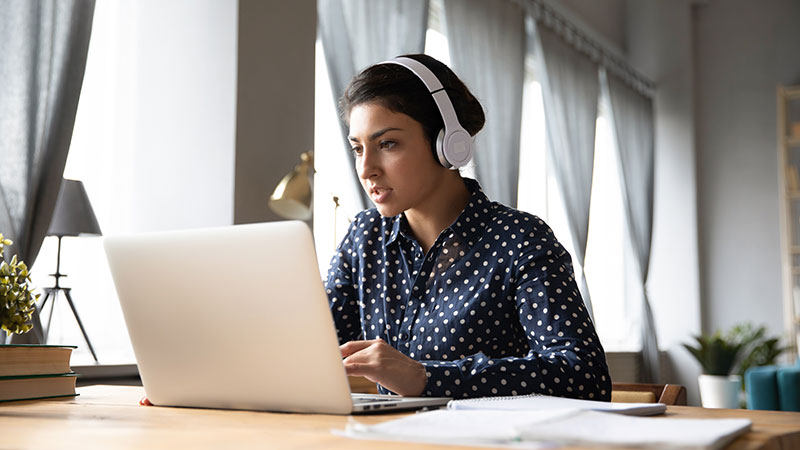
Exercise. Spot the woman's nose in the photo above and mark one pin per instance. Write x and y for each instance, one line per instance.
(367, 164)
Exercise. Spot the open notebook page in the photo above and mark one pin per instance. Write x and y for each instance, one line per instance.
(544, 402)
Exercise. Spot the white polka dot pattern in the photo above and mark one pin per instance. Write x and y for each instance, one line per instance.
(492, 309)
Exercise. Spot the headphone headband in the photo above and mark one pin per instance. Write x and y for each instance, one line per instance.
(454, 144)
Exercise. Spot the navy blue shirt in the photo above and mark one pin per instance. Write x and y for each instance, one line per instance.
(491, 309)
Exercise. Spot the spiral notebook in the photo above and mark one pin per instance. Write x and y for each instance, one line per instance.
(537, 402)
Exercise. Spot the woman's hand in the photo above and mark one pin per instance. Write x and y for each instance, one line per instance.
(380, 363)
(144, 401)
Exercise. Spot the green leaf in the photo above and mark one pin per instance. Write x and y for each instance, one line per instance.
(743, 346)
(17, 302)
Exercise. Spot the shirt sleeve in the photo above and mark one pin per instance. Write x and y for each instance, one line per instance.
(565, 357)
(341, 288)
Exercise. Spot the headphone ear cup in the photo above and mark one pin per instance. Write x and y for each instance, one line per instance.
(457, 147)
(440, 150)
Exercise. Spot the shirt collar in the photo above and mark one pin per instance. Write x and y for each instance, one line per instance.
(397, 227)
(469, 224)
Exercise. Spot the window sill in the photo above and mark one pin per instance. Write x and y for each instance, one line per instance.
(120, 374)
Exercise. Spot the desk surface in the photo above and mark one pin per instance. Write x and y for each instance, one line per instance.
(109, 417)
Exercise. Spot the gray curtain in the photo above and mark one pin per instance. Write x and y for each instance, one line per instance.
(43, 47)
(570, 91)
(487, 49)
(633, 124)
(358, 33)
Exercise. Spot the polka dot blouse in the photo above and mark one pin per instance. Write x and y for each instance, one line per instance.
(491, 309)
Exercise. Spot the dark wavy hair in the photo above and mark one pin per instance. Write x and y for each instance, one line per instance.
(399, 90)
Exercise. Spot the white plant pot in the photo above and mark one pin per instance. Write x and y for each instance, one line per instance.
(718, 391)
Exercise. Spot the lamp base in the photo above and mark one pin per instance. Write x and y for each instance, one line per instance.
(53, 292)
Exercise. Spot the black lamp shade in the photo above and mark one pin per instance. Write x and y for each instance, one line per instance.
(73, 215)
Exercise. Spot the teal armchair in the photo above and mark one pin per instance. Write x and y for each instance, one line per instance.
(774, 388)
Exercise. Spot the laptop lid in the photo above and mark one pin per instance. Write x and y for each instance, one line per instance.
(232, 317)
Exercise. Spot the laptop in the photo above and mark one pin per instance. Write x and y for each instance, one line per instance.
(236, 317)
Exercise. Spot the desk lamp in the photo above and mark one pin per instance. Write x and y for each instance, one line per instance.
(73, 216)
(292, 197)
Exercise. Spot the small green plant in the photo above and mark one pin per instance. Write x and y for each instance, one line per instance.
(762, 351)
(741, 348)
(17, 301)
(715, 354)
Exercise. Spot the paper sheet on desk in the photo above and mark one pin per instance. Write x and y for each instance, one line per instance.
(543, 429)
(615, 430)
(476, 428)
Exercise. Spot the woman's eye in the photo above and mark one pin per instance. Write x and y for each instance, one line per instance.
(387, 144)
(357, 151)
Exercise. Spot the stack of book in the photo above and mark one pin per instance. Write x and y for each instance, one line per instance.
(30, 372)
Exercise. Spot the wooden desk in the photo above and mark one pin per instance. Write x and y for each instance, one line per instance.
(109, 417)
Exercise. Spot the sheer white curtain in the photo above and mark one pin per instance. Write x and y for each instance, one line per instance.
(632, 115)
(358, 33)
(570, 91)
(487, 48)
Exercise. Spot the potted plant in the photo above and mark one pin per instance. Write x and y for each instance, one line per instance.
(741, 348)
(17, 301)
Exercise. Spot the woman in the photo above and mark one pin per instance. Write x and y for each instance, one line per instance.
(439, 291)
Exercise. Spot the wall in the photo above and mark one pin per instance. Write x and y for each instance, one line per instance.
(275, 101)
(606, 17)
(743, 50)
(659, 42)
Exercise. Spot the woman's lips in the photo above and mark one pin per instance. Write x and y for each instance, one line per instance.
(379, 194)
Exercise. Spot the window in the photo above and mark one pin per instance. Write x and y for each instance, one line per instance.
(608, 247)
(332, 170)
(140, 124)
(539, 194)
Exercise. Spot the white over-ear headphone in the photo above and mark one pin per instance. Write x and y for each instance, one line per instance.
(454, 143)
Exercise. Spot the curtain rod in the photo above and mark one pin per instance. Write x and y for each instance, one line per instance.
(579, 40)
